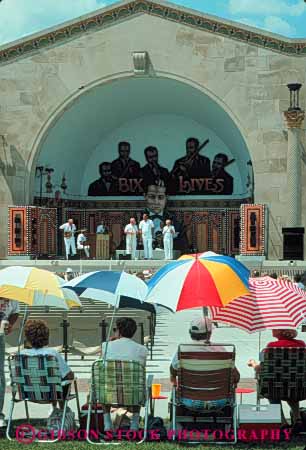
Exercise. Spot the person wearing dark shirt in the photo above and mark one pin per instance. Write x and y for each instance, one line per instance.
(285, 338)
(124, 166)
(105, 185)
(218, 171)
(152, 172)
(193, 165)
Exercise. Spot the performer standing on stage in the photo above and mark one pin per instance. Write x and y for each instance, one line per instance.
(69, 230)
(81, 239)
(131, 231)
(101, 228)
(146, 227)
(168, 235)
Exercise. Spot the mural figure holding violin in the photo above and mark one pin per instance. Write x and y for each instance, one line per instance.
(193, 165)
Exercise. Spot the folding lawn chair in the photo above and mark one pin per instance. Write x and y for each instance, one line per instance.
(119, 384)
(205, 374)
(282, 374)
(37, 379)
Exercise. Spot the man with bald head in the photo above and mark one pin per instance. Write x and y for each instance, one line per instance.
(131, 231)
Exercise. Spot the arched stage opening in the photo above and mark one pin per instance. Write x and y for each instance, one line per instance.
(199, 183)
(160, 112)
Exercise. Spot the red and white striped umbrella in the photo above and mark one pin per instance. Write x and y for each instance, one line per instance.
(271, 304)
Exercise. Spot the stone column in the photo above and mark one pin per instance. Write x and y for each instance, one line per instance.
(294, 119)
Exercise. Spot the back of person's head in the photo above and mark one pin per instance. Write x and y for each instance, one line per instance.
(284, 334)
(36, 333)
(200, 329)
(255, 274)
(297, 278)
(126, 327)
(273, 275)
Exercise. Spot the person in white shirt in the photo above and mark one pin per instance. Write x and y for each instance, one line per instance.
(9, 310)
(69, 230)
(168, 235)
(81, 239)
(146, 227)
(200, 331)
(131, 231)
(123, 348)
(101, 228)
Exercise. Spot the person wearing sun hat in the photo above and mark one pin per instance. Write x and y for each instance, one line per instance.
(200, 331)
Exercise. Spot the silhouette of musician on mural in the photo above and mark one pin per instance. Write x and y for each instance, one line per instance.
(124, 166)
(105, 185)
(218, 171)
(152, 172)
(193, 165)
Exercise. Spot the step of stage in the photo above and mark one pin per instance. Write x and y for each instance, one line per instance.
(84, 266)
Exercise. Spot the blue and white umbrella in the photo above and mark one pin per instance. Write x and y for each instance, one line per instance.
(118, 289)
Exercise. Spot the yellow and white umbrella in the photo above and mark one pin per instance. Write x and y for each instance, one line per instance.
(36, 287)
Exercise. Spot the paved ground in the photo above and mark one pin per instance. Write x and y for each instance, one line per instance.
(172, 329)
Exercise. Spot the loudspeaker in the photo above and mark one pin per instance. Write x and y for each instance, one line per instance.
(122, 256)
(293, 243)
(32, 231)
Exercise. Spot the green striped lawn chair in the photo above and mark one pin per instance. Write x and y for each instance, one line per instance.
(282, 374)
(205, 374)
(37, 379)
(119, 384)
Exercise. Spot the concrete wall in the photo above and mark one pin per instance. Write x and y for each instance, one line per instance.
(247, 81)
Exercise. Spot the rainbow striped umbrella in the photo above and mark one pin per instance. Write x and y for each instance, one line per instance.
(195, 281)
(271, 304)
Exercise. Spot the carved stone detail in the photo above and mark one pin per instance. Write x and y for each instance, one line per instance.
(140, 60)
(294, 118)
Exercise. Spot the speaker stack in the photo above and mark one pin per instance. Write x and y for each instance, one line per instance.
(293, 243)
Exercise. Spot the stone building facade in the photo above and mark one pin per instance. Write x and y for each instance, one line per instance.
(243, 71)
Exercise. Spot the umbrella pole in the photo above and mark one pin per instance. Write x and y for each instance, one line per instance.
(257, 392)
(25, 316)
(205, 311)
(205, 315)
(111, 327)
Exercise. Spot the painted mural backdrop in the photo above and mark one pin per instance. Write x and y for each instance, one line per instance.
(193, 173)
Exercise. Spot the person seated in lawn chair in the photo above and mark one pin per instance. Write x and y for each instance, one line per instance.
(37, 340)
(200, 331)
(285, 338)
(122, 348)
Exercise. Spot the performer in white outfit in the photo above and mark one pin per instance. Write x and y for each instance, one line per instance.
(131, 231)
(146, 227)
(69, 230)
(168, 235)
(81, 243)
(101, 228)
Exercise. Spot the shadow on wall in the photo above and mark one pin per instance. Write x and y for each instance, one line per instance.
(14, 171)
(275, 238)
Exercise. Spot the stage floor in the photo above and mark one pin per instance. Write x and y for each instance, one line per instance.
(85, 265)
(60, 265)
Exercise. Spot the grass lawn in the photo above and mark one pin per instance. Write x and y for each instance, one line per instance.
(296, 444)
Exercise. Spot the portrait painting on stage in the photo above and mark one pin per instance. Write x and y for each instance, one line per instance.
(194, 173)
(155, 196)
